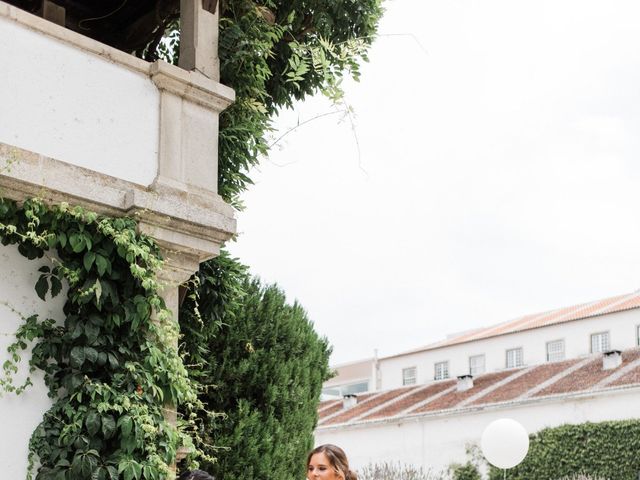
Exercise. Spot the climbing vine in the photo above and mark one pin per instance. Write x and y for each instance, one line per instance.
(109, 364)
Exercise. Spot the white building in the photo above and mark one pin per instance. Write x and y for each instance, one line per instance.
(563, 366)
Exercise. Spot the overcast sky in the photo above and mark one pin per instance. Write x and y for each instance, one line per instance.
(498, 175)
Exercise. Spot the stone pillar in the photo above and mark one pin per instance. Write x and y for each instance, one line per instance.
(199, 38)
(177, 269)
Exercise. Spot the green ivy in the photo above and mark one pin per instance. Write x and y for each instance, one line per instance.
(606, 449)
(109, 364)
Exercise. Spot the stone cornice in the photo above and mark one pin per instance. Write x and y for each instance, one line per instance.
(192, 86)
(187, 222)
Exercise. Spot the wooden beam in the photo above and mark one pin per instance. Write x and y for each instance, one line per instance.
(53, 12)
(210, 5)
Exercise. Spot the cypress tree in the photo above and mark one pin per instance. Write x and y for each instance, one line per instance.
(261, 364)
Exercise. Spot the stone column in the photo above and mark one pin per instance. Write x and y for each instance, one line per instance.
(177, 269)
(199, 37)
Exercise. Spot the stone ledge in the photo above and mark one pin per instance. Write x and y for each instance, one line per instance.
(192, 86)
(184, 221)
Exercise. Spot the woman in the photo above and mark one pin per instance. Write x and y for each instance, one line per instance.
(328, 462)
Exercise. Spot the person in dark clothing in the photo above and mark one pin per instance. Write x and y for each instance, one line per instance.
(195, 475)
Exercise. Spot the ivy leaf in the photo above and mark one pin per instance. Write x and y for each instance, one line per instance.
(125, 425)
(98, 290)
(91, 332)
(88, 260)
(77, 357)
(108, 426)
(42, 287)
(62, 239)
(76, 240)
(56, 286)
(93, 423)
(90, 354)
(102, 264)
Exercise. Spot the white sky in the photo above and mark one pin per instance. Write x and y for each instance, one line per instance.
(498, 175)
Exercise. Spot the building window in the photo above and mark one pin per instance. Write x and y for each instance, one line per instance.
(638, 335)
(441, 371)
(600, 342)
(409, 376)
(555, 351)
(476, 364)
(514, 358)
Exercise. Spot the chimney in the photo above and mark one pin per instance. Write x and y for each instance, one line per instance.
(349, 401)
(611, 359)
(465, 382)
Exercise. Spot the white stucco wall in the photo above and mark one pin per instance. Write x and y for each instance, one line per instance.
(61, 101)
(576, 335)
(19, 415)
(434, 442)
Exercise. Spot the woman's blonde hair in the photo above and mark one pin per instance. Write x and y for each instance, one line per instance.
(337, 460)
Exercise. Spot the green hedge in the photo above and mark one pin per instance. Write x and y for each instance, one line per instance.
(608, 449)
(260, 362)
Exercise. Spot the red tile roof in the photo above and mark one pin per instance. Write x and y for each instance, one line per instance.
(618, 303)
(566, 379)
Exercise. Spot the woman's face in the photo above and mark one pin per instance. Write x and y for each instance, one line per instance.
(320, 468)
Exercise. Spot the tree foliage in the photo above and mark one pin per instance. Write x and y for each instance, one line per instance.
(607, 449)
(260, 362)
(273, 53)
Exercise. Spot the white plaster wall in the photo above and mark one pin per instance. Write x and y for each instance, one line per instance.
(437, 441)
(66, 103)
(621, 326)
(19, 415)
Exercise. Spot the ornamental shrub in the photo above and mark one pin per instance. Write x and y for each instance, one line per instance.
(397, 471)
(606, 449)
(468, 471)
(260, 362)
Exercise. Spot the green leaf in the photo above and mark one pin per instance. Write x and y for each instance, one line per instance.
(42, 286)
(62, 239)
(125, 425)
(93, 422)
(103, 265)
(108, 426)
(56, 286)
(98, 290)
(91, 332)
(76, 357)
(76, 240)
(88, 260)
(90, 354)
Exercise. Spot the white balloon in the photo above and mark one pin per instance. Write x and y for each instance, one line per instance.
(504, 443)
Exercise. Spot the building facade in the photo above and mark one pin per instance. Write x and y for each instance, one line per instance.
(570, 365)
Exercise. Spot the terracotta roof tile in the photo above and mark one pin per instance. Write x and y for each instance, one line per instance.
(416, 397)
(586, 377)
(479, 383)
(522, 384)
(362, 406)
